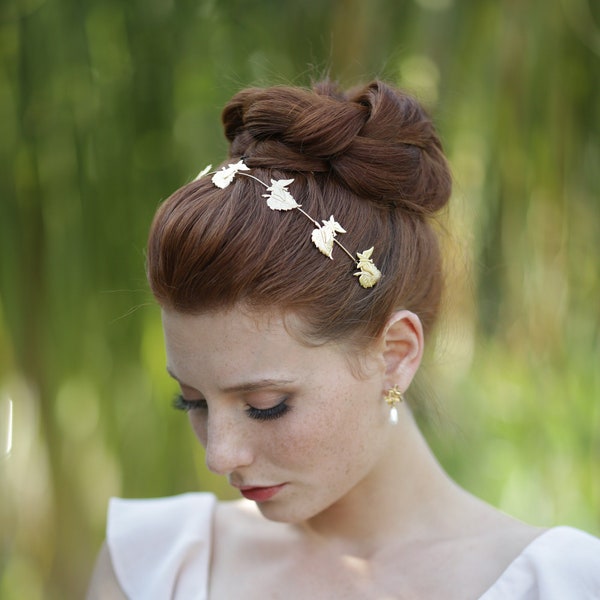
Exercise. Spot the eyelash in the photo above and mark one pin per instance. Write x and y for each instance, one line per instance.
(180, 403)
(269, 414)
(258, 414)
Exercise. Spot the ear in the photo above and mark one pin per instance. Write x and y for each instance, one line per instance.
(403, 348)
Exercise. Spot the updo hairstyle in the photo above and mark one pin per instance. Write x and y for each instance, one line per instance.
(369, 157)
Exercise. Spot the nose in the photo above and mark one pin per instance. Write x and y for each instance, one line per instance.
(228, 447)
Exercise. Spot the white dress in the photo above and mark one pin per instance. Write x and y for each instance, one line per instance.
(161, 549)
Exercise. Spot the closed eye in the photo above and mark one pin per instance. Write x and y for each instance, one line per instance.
(269, 414)
(258, 414)
(180, 403)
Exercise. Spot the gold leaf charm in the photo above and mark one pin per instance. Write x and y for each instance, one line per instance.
(225, 176)
(368, 274)
(280, 198)
(324, 235)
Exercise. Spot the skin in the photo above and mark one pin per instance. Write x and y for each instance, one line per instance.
(329, 444)
(366, 511)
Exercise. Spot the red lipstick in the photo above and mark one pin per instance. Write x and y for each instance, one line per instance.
(260, 494)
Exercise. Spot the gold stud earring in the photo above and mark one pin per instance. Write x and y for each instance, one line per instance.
(393, 398)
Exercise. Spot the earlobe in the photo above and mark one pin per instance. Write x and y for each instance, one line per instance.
(403, 348)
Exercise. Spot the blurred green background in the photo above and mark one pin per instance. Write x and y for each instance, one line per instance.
(108, 106)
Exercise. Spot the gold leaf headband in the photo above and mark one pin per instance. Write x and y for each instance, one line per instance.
(323, 236)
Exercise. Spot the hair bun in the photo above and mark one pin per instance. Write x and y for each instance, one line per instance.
(397, 157)
(377, 141)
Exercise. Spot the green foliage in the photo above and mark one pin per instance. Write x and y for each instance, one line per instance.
(106, 107)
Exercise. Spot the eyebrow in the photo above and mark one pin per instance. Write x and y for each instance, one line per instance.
(250, 386)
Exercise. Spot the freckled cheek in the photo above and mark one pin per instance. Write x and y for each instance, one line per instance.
(303, 443)
(335, 432)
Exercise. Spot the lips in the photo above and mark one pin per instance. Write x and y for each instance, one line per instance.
(260, 494)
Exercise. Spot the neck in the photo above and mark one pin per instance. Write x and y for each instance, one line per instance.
(406, 496)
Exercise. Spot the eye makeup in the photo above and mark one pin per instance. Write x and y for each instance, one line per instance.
(180, 403)
(258, 414)
(269, 414)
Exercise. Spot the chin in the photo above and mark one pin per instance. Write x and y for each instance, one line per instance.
(280, 513)
(291, 512)
(285, 511)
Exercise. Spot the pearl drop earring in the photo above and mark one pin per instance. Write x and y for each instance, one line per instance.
(393, 398)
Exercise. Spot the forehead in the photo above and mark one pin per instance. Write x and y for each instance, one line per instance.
(219, 330)
(222, 349)
(223, 344)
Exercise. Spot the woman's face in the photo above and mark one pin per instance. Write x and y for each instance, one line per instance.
(293, 426)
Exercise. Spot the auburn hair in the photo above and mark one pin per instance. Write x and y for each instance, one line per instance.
(370, 157)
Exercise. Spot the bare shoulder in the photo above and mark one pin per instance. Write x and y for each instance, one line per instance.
(506, 541)
(509, 536)
(468, 550)
(240, 521)
(489, 543)
(104, 584)
(502, 536)
(238, 510)
(246, 543)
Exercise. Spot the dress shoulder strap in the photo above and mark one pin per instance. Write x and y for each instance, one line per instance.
(161, 548)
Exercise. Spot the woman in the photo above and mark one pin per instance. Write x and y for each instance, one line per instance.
(298, 282)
